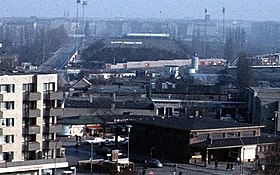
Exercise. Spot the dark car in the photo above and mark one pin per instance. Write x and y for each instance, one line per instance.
(104, 151)
(154, 163)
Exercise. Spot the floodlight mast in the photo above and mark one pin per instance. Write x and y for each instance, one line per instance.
(85, 2)
(77, 23)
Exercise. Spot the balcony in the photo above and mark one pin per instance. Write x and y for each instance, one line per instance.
(53, 112)
(8, 97)
(31, 113)
(6, 130)
(32, 129)
(53, 95)
(31, 96)
(53, 128)
(52, 144)
(31, 146)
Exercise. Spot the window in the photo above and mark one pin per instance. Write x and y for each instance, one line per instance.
(233, 134)
(31, 121)
(2, 139)
(30, 87)
(49, 86)
(9, 139)
(2, 122)
(8, 156)
(202, 136)
(48, 103)
(218, 135)
(30, 104)
(248, 133)
(10, 121)
(7, 105)
(30, 138)
(7, 88)
(7, 122)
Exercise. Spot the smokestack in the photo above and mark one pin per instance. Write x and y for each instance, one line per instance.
(195, 62)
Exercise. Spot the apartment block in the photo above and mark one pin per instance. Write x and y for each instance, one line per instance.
(29, 107)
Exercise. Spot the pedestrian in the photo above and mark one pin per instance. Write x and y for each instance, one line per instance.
(175, 168)
(216, 163)
(238, 160)
(143, 172)
(231, 166)
(228, 166)
(145, 165)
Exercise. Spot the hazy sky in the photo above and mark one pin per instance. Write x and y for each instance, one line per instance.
(257, 10)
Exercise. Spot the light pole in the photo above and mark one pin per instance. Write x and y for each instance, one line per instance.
(242, 149)
(275, 122)
(151, 152)
(91, 153)
(128, 134)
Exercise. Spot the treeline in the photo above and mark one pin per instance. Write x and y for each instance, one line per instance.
(36, 52)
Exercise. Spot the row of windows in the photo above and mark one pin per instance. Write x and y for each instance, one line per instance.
(268, 148)
(29, 87)
(224, 135)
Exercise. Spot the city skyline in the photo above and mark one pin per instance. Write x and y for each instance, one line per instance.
(255, 10)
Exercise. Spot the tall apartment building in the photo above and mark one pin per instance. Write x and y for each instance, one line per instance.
(29, 106)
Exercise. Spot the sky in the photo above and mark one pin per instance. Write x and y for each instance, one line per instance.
(255, 10)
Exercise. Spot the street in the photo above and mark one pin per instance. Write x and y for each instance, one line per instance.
(83, 153)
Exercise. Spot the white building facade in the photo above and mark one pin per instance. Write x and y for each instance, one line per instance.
(29, 107)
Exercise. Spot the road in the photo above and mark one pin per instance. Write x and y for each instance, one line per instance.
(57, 60)
(83, 153)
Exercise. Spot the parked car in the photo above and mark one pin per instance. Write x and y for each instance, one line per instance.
(154, 163)
(104, 151)
(113, 138)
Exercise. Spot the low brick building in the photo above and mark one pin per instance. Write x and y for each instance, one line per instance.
(197, 139)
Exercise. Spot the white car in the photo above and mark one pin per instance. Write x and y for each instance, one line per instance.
(112, 139)
(96, 140)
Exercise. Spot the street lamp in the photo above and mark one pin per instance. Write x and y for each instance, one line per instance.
(128, 134)
(151, 152)
(275, 122)
(242, 149)
(91, 153)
